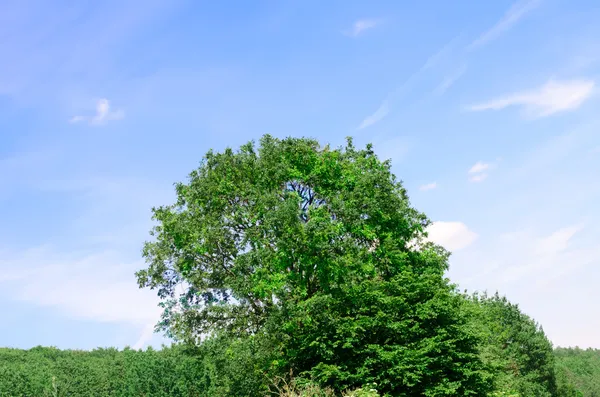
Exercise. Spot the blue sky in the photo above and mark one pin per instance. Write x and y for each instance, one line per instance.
(488, 111)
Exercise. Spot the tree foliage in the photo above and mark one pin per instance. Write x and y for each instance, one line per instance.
(320, 249)
(217, 368)
(514, 347)
(578, 371)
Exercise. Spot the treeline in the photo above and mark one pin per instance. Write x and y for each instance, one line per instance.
(215, 368)
(578, 369)
(518, 358)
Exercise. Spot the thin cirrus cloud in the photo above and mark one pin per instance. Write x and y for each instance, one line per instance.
(517, 11)
(432, 61)
(553, 97)
(362, 25)
(428, 186)
(104, 113)
(541, 257)
(376, 117)
(450, 79)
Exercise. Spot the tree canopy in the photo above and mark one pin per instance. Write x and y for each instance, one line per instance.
(319, 249)
(578, 372)
(514, 347)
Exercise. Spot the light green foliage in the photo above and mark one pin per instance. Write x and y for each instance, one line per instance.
(217, 368)
(578, 372)
(514, 348)
(101, 372)
(313, 247)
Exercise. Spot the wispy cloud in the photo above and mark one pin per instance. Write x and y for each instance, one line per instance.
(362, 25)
(453, 236)
(428, 186)
(88, 275)
(548, 255)
(376, 117)
(479, 171)
(478, 177)
(97, 287)
(557, 241)
(540, 260)
(442, 53)
(479, 167)
(553, 97)
(450, 80)
(431, 61)
(48, 65)
(103, 114)
(537, 257)
(517, 11)
(512, 16)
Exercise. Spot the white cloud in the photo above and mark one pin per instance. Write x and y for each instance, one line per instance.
(453, 236)
(479, 167)
(379, 114)
(517, 11)
(553, 97)
(97, 287)
(556, 242)
(103, 113)
(478, 177)
(363, 25)
(428, 186)
(477, 173)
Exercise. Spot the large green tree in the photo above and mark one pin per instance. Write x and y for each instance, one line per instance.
(319, 250)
